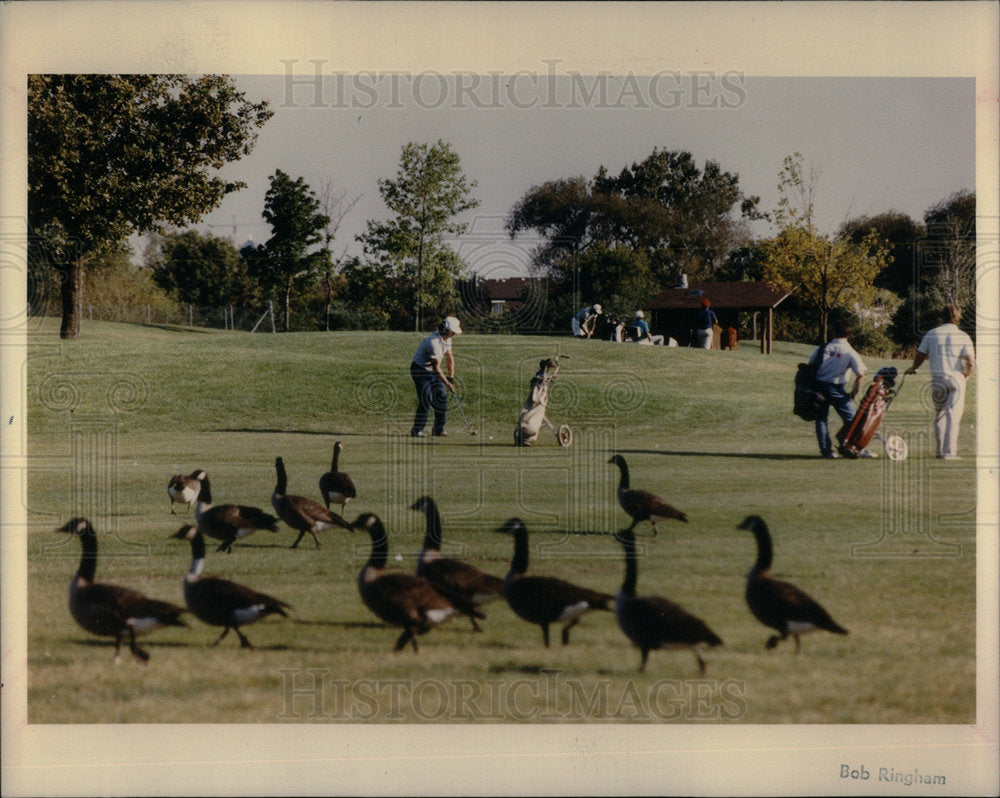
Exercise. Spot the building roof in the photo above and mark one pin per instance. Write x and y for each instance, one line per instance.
(745, 295)
(509, 288)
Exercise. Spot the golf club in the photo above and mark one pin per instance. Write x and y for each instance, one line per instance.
(462, 411)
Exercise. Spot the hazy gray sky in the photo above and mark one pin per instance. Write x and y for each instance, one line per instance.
(880, 143)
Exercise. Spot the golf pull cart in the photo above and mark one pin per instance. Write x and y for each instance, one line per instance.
(533, 413)
(855, 436)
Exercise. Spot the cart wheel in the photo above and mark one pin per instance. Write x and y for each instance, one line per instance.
(565, 435)
(895, 448)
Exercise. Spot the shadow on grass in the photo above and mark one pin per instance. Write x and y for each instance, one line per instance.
(174, 328)
(343, 624)
(748, 455)
(271, 431)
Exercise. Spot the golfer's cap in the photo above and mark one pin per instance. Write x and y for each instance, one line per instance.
(452, 325)
(596, 308)
(640, 315)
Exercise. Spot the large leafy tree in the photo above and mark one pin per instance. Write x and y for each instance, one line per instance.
(823, 272)
(202, 270)
(945, 258)
(293, 258)
(901, 234)
(411, 251)
(109, 155)
(679, 218)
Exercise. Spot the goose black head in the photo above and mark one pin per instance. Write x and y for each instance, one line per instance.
(511, 526)
(626, 537)
(617, 460)
(76, 526)
(186, 532)
(752, 522)
(368, 521)
(423, 504)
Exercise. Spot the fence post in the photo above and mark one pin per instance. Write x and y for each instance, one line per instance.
(190, 315)
(149, 314)
(270, 306)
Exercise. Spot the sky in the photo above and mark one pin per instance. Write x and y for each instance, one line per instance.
(878, 144)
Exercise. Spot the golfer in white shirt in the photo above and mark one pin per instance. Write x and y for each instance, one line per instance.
(952, 357)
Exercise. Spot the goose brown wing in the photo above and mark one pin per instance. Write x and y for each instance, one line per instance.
(460, 577)
(403, 599)
(642, 504)
(239, 515)
(775, 603)
(542, 599)
(122, 603)
(337, 482)
(226, 597)
(671, 623)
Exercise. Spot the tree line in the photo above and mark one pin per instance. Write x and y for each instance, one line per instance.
(110, 156)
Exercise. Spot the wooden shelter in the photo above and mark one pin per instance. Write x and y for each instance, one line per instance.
(673, 310)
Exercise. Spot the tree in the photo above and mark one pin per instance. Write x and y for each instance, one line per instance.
(680, 215)
(945, 268)
(681, 219)
(823, 272)
(335, 206)
(901, 234)
(947, 258)
(110, 155)
(284, 262)
(411, 249)
(202, 270)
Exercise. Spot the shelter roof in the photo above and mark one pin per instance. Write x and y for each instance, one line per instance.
(748, 295)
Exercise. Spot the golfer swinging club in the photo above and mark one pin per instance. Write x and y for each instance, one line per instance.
(429, 379)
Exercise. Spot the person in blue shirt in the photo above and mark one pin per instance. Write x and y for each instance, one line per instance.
(583, 323)
(427, 369)
(640, 330)
(703, 324)
(835, 361)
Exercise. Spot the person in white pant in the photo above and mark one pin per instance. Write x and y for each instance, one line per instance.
(952, 359)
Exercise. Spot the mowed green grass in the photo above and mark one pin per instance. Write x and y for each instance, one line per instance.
(888, 548)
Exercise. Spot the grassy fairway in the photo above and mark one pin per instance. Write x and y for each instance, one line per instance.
(888, 548)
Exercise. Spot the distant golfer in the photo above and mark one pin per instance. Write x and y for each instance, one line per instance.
(835, 360)
(703, 324)
(641, 334)
(429, 379)
(953, 359)
(583, 323)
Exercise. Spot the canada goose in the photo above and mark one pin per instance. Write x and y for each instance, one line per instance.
(544, 599)
(228, 522)
(111, 610)
(219, 602)
(299, 512)
(780, 605)
(641, 504)
(336, 486)
(653, 622)
(448, 575)
(184, 490)
(399, 598)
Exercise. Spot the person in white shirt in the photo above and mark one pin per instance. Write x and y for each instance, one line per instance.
(584, 321)
(430, 380)
(952, 357)
(835, 360)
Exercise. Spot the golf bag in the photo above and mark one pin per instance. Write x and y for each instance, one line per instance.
(808, 400)
(533, 413)
(855, 436)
